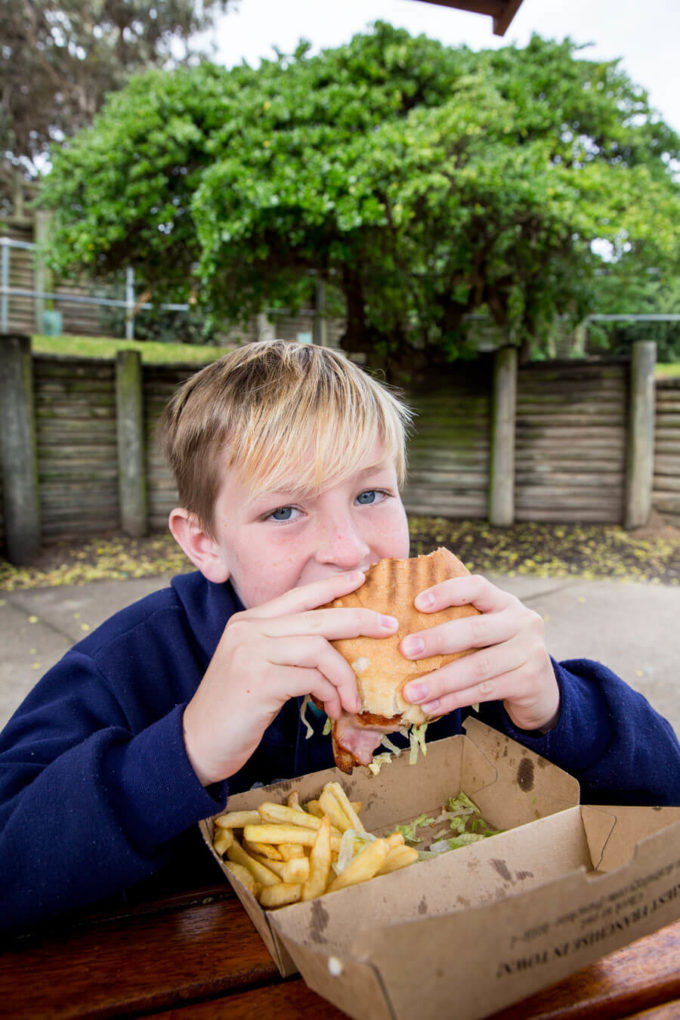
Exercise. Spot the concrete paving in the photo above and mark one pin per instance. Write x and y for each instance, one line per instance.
(633, 628)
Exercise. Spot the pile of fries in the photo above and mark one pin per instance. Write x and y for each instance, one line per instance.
(285, 853)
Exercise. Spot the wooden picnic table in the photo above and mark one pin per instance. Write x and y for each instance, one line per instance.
(193, 953)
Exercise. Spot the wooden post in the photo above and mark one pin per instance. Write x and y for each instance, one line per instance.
(320, 331)
(19, 457)
(640, 444)
(42, 275)
(130, 428)
(502, 453)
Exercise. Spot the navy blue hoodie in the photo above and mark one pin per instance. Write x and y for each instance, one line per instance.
(96, 788)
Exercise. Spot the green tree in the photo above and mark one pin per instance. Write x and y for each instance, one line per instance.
(61, 57)
(422, 181)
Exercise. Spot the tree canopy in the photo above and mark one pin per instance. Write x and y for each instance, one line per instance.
(61, 57)
(424, 182)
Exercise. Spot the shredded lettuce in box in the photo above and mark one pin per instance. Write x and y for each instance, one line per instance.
(327, 726)
(409, 831)
(465, 823)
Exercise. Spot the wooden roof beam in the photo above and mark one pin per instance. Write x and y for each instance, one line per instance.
(501, 11)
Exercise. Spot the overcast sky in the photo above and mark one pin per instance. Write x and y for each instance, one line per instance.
(645, 34)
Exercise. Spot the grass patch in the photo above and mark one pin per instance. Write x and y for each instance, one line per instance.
(153, 352)
(668, 371)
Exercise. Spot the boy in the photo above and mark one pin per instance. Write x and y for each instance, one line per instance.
(288, 461)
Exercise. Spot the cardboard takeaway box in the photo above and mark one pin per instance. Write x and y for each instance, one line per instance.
(488, 924)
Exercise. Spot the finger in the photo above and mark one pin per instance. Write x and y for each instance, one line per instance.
(530, 694)
(314, 654)
(499, 688)
(298, 681)
(309, 596)
(333, 624)
(475, 631)
(471, 671)
(471, 589)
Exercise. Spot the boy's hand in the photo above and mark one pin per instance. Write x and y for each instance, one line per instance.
(266, 655)
(511, 663)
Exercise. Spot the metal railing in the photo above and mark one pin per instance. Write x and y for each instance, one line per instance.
(128, 303)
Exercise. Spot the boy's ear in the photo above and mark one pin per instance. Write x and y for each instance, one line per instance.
(201, 548)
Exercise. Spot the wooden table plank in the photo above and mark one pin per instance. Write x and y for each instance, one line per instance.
(135, 964)
(290, 999)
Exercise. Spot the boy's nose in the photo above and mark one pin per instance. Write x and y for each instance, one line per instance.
(341, 545)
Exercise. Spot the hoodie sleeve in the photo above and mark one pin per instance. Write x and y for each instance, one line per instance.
(608, 737)
(89, 804)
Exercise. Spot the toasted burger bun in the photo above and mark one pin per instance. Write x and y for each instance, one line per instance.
(380, 668)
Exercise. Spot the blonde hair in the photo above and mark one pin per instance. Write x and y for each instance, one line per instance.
(285, 415)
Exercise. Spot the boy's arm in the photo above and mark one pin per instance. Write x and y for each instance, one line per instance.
(87, 807)
(608, 736)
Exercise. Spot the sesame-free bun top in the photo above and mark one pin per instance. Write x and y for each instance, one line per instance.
(380, 668)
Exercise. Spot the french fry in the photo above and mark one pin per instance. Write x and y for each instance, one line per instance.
(275, 866)
(290, 850)
(262, 874)
(293, 800)
(265, 850)
(279, 833)
(331, 807)
(314, 808)
(365, 865)
(399, 857)
(296, 870)
(395, 839)
(273, 833)
(343, 801)
(270, 812)
(244, 876)
(357, 805)
(222, 840)
(319, 863)
(236, 819)
(280, 895)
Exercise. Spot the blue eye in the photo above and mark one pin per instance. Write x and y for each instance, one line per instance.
(369, 496)
(284, 513)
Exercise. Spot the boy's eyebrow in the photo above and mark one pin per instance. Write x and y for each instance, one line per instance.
(381, 465)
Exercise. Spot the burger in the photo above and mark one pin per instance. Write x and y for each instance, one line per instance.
(381, 670)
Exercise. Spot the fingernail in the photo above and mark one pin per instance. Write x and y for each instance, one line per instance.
(412, 646)
(389, 622)
(425, 600)
(416, 692)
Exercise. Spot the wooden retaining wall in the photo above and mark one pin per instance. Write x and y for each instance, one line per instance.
(666, 480)
(570, 442)
(572, 431)
(448, 453)
(77, 456)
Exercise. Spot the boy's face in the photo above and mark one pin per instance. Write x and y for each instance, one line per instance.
(272, 542)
